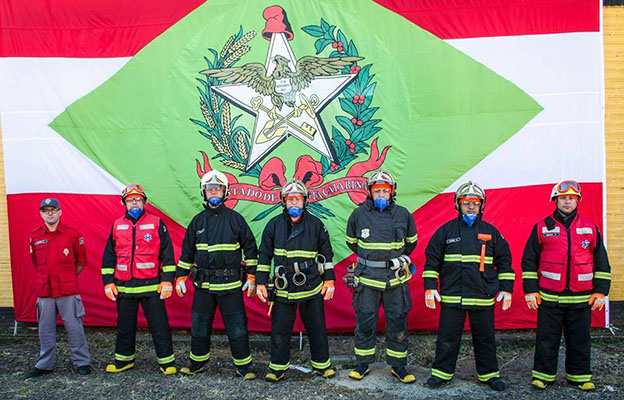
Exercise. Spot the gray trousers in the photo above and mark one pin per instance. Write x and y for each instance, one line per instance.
(72, 312)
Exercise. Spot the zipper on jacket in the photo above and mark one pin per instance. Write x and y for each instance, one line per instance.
(569, 257)
(133, 244)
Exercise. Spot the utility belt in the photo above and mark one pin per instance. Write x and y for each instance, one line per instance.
(400, 265)
(205, 274)
(299, 277)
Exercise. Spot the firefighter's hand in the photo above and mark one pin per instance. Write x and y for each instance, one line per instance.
(165, 289)
(597, 301)
(506, 297)
(250, 285)
(533, 300)
(328, 290)
(180, 285)
(431, 295)
(111, 291)
(261, 292)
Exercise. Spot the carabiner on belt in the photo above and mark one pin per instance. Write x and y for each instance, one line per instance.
(320, 264)
(281, 282)
(299, 277)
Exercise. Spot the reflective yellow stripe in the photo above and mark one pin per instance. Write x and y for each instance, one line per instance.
(396, 354)
(108, 271)
(466, 258)
(507, 276)
(351, 240)
(404, 278)
(294, 253)
(184, 265)
(370, 282)
(578, 378)
(166, 360)
(381, 246)
(486, 377)
(542, 376)
(279, 367)
(300, 295)
(203, 358)
(319, 365)
(602, 275)
(477, 302)
(411, 239)
(138, 289)
(431, 274)
(169, 268)
(529, 275)
(451, 299)
(121, 357)
(564, 299)
(263, 268)
(364, 352)
(218, 247)
(218, 287)
(251, 262)
(242, 361)
(441, 374)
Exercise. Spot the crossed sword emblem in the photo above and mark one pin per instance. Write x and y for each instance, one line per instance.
(274, 128)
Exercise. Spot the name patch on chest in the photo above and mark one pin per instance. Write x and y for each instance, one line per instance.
(584, 231)
(38, 242)
(453, 240)
(122, 227)
(556, 231)
(146, 226)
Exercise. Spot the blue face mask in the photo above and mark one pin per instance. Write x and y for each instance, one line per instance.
(295, 211)
(469, 218)
(381, 203)
(215, 201)
(135, 213)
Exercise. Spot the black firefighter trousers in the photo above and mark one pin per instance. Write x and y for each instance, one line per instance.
(449, 340)
(158, 322)
(312, 314)
(575, 323)
(396, 303)
(232, 309)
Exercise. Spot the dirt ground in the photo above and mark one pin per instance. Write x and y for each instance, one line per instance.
(515, 352)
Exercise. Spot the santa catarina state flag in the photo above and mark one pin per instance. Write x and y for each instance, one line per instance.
(99, 94)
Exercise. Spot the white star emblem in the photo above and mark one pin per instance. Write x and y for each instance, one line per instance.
(299, 113)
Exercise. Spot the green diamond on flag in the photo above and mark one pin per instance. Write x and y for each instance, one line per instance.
(380, 92)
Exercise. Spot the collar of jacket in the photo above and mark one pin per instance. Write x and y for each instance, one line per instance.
(217, 210)
(370, 205)
(135, 220)
(565, 220)
(461, 220)
(289, 219)
(59, 228)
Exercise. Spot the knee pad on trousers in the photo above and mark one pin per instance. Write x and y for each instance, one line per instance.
(236, 324)
(200, 324)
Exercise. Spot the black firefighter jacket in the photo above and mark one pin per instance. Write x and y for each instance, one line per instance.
(453, 256)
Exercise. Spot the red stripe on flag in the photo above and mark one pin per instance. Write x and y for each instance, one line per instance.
(115, 28)
(457, 19)
(513, 211)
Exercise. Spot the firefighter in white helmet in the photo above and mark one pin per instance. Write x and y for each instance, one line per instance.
(298, 244)
(566, 275)
(471, 261)
(211, 255)
(383, 235)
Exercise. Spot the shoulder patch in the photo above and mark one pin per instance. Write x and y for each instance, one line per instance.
(365, 233)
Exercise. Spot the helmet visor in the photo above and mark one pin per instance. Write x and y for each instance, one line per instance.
(212, 186)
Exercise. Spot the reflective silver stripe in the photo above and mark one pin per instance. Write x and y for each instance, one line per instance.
(586, 277)
(551, 275)
(328, 265)
(554, 230)
(145, 265)
(372, 264)
(146, 226)
(122, 227)
(122, 267)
